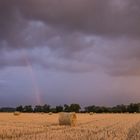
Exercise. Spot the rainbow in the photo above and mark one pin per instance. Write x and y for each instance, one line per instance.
(35, 85)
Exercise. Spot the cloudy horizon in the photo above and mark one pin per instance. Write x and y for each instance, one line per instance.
(69, 51)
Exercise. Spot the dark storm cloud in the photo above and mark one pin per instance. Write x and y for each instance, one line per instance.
(108, 18)
(94, 16)
(78, 32)
(80, 50)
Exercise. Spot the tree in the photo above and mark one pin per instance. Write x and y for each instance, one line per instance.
(46, 108)
(53, 110)
(90, 108)
(133, 108)
(38, 108)
(7, 109)
(121, 108)
(59, 108)
(139, 108)
(66, 108)
(19, 108)
(28, 108)
(75, 108)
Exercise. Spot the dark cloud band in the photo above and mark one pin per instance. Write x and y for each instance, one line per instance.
(71, 29)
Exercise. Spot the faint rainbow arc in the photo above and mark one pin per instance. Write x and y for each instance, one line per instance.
(33, 77)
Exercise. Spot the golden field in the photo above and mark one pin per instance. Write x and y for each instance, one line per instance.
(89, 127)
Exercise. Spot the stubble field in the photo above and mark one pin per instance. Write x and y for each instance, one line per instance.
(89, 127)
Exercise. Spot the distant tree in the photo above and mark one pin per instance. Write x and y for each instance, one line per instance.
(66, 108)
(53, 110)
(46, 108)
(19, 108)
(90, 108)
(133, 108)
(121, 108)
(139, 108)
(28, 108)
(7, 109)
(98, 109)
(59, 108)
(38, 108)
(105, 109)
(116, 109)
(75, 108)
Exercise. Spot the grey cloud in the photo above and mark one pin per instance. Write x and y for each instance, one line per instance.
(47, 60)
(83, 35)
(108, 18)
(116, 57)
(91, 16)
(123, 57)
(12, 60)
(83, 48)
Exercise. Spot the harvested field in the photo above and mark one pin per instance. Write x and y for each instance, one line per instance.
(89, 127)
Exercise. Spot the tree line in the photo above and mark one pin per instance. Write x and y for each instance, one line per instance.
(43, 108)
(131, 108)
(47, 108)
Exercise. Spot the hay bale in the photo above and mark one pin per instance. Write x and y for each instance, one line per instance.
(67, 119)
(135, 112)
(91, 113)
(50, 113)
(16, 113)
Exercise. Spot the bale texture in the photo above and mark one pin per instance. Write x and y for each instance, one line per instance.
(67, 119)
(50, 113)
(16, 113)
(91, 113)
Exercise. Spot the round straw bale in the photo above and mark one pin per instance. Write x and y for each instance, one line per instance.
(50, 113)
(91, 113)
(67, 119)
(16, 113)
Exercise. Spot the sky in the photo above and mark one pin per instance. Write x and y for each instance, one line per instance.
(69, 51)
